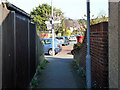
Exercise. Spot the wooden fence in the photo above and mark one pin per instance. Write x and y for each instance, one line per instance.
(18, 50)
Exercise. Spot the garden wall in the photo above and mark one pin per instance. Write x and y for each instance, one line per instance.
(99, 53)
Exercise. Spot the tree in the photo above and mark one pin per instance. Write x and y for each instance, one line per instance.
(42, 13)
(96, 20)
(59, 30)
(63, 24)
(39, 14)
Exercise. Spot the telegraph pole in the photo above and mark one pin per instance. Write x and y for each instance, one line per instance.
(53, 53)
(88, 57)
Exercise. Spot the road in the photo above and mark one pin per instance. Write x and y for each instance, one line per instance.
(66, 51)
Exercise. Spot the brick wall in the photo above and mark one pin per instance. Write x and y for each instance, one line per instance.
(99, 53)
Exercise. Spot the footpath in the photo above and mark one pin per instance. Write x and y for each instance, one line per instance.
(60, 74)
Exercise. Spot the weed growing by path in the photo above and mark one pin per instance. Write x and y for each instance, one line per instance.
(74, 65)
(39, 70)
(80, 70)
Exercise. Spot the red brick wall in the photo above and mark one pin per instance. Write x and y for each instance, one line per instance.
(99, 53)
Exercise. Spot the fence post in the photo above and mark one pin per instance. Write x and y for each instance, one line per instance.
(14, 48)
(36, 42)
(28, 51)
(0, 48)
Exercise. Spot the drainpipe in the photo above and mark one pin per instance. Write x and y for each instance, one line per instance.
(88, 57)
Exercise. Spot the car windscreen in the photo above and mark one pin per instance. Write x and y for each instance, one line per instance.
(59, 37)
(47, 41)
(66, 38)
(72, 36)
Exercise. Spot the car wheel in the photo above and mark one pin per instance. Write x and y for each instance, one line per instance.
(50, 52)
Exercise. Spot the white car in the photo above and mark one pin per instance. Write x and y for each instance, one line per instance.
(72, 38)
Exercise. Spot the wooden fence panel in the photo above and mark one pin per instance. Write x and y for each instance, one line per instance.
(32, 50)
(22, 68)
(18, 51)
(8, 51)
(0, 48)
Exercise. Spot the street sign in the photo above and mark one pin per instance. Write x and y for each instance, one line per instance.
(47, 22)
(49, 26)
(59, 21)
(54, 22)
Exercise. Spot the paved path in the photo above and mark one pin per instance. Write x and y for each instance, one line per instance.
(66, 52)
(59, 73)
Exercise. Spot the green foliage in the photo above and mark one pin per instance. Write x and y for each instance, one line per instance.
(45, 61)
(77, 46)
(63, 24)
(36, 78)
(41, 14)
(35, 82)
(75, 65)
(42, 66)
(60, 28)
(98, 20)
(67, 33)
(82, 72)
(39, 71)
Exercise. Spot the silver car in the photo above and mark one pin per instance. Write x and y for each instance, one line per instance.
(64, 40)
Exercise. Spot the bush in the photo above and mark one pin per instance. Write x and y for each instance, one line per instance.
(36, 78)
(67, 33)
(77, 46)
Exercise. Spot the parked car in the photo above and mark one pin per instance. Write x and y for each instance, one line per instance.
(48, 45)
(80, 34)
(63, 40)
(72, 38)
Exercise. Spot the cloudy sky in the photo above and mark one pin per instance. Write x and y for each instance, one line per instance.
(74, 9)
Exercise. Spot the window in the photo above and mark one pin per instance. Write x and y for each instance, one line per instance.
(66, 38)
(59, 38)
(47, 42)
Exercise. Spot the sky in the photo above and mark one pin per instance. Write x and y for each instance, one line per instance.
(74, 9)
